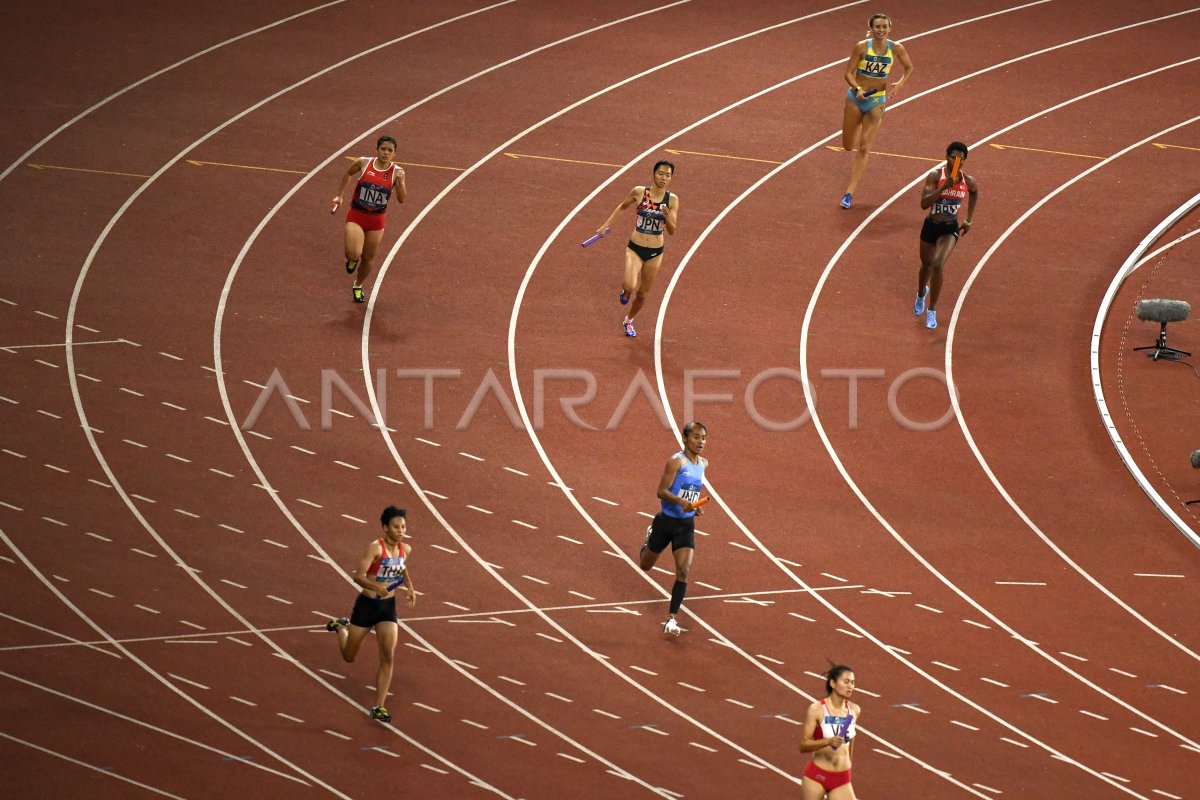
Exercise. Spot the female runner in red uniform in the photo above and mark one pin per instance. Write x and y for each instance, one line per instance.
(368, 208)
(384, 564)
(943, 197)
(657, 210)
(828, 734)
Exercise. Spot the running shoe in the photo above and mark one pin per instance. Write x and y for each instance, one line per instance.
(672, 627)
(919, 305)
(931, 319)
(846, 199)
(380, 713)
(359, 297)
(334, 624)
(628, 325)
(646, 544)
(351, 266)
(625, 296)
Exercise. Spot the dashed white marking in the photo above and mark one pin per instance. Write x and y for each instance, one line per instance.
(341, 736)
(1167, 794)
(945, 666)
(289, 717)
(1043, 698)
(390, 480)
(559, 697)
(1071, 655)
(427, 708)
(130, 391)
(100, 483)
(49, 414)
(192, 625)
(187, 513)
(689, 686)
(607, 502)
(236, 640)
(102, 593)
(1144, 733)
(233, 584)
(525, 525)
(178, 458)
(354, 519)
(57, 469)
(849, 633)
(750, 763)
(332, 674)
(800, 616)
(861, 690)
(1189, 747)
(644, 514)
(341, 413)
(580, 594)
(1115, 777)
(135, 444)
(912, 707)
(510, 680)
(1093, 715)
(886, 753)
(480, 510)
(185, 680)
(928, 608)
(548, 637)
(1020, 583)
(768, 658)
(444, 549)
(536, 580)
(45, 363)
(1122, 672)
(297, 399)
(977, 624)
(643, 669)
(147, 609)
(279, 600)
(963, 725)
(474, 724)
(143, 553)
(169, 355)
(230, 528)
(344, 464)
(435, 494)
(432, 768)
(569, 757)
(986, 788)
(53, 521)
(470, 456)
(1156, 575)
(834, 578)
(12, 453)
(426, 441)
(1170, 688)
(218, 421)
(309, 502)
(703, 747)
(97, 536)
(276, 544)
(10, 505)
(243, 701)
(1013, 742)
(304, 450)
(745, 547)
(569, 539)
(994, 682)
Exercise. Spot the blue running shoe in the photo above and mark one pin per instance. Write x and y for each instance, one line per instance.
(846, 198)
(629, 331)
(919, 305)
(625, 296)
(931, 319)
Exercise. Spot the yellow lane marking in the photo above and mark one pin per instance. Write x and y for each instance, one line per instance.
(81, 169)
(894, 155)
(566, 160)
(721, 155)
(1051, 152)
(244, 166)
(1176, 147)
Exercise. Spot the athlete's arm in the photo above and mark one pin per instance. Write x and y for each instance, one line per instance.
(972, 198)
(664, 484)
(360, 575)
(358, 165)
(856, 54)
(931, 190)
(671, 217)
(399, 186)
(412, 593)
(906, 62)
(635, 194)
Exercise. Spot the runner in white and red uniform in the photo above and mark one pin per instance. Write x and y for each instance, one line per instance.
(365, 219)
(828, 733)
(943, 196)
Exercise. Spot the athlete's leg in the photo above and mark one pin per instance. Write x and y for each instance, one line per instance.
(633, 269)
(683, 565)
(852, 120)
(371, 241)
(870, 129)
(926, 265)
(810, 789)
(843, 792)
(354, 243)
(350, 639)
(645, 281)
(941, 252)
(386, 633)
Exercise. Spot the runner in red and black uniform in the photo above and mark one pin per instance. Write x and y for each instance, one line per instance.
(657, 210)
(943, 197)
(368, 207)
(380, 573)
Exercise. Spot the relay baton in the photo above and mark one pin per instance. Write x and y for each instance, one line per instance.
(843, 728)
(395, 584)
(334, 209)
(595, 237)
(700, 502)
(954, 165)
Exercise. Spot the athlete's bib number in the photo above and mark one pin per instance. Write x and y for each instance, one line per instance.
(372, 196)
(690, 493)
(876, 68)
(945, 209)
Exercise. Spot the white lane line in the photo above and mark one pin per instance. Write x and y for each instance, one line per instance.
(1071, 655)
(435, 494)
(106, 771)
(230, 528)
(10, 505)
(143, 553)
(1143, 733)
(354, 519)
(147, 609)
(102, 593)
(480, 510)
(474, 724)
(274, 543)
(418, 438)
(57, 469)
(1015, 742)
(963, 725)
(569, 539)
(341, 736)
(1156, 575)
(1093, 716)
(649, 672)
(570, 758)
(517, 472)
(525, 524)
(344, 464)
(945, 666)
(390, 479)
(1122, 672)
(186, 513)
(703, 747)
(130, 391)
(995, 682)
(221, 472)
(49, 414)
(738, 702)
(181, 679)
(559, 697)
(178, 458)
(304, 450)
(606, 502)
(690, 686)
(470, 456)
(928, 608)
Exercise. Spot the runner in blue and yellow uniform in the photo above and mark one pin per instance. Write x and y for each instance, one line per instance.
(657, 211)
(943, 196)
(678, 490)
(867, 72)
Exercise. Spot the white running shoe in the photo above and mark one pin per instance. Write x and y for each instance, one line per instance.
(672, 627)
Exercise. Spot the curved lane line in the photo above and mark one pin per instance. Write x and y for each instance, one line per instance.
(1095, 355)
(119, 488)
(1131, 264)
(24, 156)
